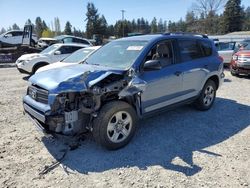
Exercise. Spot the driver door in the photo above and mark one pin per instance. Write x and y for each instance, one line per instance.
(163, 86)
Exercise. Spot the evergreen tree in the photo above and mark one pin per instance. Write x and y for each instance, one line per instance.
(246, 23)
(67, 30)
(57, 26)
(15, 27)
(232, 16)
(92, 20)
(2, 30)
(154, 25)
(39, 27)
(160, 26)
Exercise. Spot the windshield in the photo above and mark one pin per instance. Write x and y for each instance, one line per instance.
(49, 49)
(77, 56)
(117, 54)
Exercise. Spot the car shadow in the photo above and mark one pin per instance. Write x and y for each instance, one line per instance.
(244, 76)
(26, 78)
(161, 140)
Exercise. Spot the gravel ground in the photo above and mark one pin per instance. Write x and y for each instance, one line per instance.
(179, 148)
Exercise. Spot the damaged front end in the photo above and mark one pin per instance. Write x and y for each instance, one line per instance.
(70, 107)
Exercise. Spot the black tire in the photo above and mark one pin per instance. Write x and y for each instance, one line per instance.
(234, 74)
(104, 119)
(38, 66)
(205, 101)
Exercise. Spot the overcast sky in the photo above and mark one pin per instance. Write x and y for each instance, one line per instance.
(18, 11)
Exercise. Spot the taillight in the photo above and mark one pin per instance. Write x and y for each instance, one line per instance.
(235, 57)
(221, 59)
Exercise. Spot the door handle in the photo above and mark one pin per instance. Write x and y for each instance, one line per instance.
(178, 73)
(206, 66)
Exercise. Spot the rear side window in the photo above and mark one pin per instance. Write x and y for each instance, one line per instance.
(206, 48)
(189, 50)
(68, 49)
(76, 40)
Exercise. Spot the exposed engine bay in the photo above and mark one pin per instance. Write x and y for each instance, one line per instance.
(79, 108)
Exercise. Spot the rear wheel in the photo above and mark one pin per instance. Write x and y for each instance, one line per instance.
(207, 96)
(115, 125)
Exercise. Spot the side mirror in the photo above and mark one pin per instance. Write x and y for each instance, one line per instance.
(152, 65)
(57, 52)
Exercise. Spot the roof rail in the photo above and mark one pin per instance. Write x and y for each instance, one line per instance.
(186, 33)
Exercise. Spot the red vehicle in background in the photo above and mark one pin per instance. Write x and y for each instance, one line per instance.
(240, 63)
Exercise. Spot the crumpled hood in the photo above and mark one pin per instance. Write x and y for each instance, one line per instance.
(72, 78)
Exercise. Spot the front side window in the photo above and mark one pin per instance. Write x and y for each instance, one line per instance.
(189, 50)
(49, 49)
(117, 54)
(163, 52)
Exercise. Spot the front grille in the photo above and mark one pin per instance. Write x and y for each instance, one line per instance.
(38, 94)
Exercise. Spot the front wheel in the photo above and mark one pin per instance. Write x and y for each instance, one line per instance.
(115, 125)
(207, 96)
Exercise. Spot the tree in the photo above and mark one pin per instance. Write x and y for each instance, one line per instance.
(39, 27)
(15, 27)
(154, 25)
(246, 24)
(44, 25)
(233, 16)
(160, 26)
(28, 22)
(92, 20)
(207, 6)
(67, 30)
(102, 26)
(77, 32)
(2, 30)
(57, 26)
(48, 33)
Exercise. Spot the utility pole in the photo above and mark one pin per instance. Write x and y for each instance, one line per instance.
(123, 11)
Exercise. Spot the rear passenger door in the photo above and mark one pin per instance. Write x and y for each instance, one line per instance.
(194, 57)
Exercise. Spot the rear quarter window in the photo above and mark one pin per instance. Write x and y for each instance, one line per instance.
(206, 48)
(189, 50)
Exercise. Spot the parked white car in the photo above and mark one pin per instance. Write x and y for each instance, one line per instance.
(30, 63)
(45, 42)
(14, 37)
(76, 58)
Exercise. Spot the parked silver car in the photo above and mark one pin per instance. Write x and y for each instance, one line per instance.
(226, 50)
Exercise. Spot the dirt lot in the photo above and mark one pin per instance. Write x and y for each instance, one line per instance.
(180, 148)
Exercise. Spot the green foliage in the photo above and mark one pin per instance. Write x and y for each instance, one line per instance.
(48, 33)
(246, 23)
(67, 30)
(39, 27)
(154, 26)
(233, 16)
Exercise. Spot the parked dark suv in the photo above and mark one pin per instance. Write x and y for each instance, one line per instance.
(126, 79)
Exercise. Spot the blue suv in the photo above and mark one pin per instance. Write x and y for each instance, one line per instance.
(123, 81)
